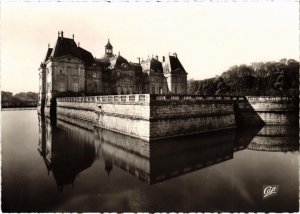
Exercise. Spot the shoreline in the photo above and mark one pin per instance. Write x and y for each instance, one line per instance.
(18, 108)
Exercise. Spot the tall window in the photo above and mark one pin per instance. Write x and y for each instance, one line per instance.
(61, 86)
(160, 90)
(75, 86)
(153, 89)
(94, 74)
(175, 89)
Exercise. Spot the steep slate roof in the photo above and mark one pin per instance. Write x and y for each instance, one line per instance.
(116, 61)
(173, 65)
(152, 64)
(66, 46)
(48, 54)
(86, 56)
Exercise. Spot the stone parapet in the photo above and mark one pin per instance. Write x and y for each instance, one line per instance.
(161, 116)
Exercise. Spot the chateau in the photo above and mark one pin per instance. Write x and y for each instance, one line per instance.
(69, 70)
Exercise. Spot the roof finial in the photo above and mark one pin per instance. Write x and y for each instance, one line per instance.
(58, 33)
(48, 45)
(73, 36)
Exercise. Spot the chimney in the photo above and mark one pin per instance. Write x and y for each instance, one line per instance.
(119, 53)
(48, 45)
(175, 54)
(163, 58)
(156, 57)
(73, 36)
(139, 58)
(58, 33)
(78, 44)
(62, 34)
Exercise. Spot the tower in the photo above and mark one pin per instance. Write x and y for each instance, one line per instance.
(108, 49)
(175, 74)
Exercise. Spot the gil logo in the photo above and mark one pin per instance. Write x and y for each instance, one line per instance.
(270, 190)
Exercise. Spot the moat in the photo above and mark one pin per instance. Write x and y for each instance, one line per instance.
(62, 167)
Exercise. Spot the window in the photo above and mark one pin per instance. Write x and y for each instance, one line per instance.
(153, 89)
(73, 72)
(61, 86)
(94, 74)
(160, 90)
(60, 71)
(75, 86)
(175, 89)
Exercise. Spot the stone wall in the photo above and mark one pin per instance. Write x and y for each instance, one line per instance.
(127, 114)
(268, 110)
(181, 115)
(162, 116)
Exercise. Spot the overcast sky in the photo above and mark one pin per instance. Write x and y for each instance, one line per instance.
(207, 37)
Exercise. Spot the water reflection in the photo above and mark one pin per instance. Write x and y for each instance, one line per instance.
(68, 150)
(276, 139)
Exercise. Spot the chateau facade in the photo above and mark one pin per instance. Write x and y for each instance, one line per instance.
(69, 70)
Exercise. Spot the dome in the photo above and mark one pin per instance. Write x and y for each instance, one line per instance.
(108, 45)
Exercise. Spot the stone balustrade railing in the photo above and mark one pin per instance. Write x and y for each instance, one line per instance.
(147, 98)
(132, 98)
(268, 98)
(193, 97)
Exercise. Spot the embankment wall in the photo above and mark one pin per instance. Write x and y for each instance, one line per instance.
(162, 116)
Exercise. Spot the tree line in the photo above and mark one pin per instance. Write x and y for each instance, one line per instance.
(22, 99)
(258, 79)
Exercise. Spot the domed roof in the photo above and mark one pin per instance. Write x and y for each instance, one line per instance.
(108, 45)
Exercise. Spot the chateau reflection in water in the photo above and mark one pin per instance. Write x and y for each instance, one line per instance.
(68, 150)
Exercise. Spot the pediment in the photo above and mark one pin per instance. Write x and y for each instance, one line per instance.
(68, 58)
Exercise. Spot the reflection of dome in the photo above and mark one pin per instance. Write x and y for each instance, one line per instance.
(108, 166)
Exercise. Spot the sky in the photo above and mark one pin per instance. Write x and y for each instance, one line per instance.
(207, 37)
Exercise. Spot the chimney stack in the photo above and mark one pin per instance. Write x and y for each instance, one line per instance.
(62, 34)
(163, 58)
(78, 44)
(48, 45)
(58, 33)
(175, 54)
(156, 57)
(73, 36)
(139, 58)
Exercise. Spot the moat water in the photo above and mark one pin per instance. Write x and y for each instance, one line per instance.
(64, 168)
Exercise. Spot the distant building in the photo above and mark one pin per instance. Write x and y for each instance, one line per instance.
(69, 70)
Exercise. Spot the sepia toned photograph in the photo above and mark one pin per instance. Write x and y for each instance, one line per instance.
(149, 106)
